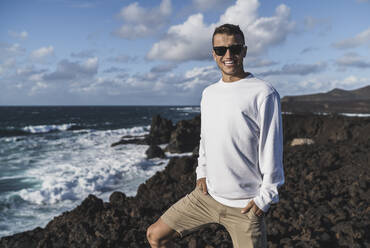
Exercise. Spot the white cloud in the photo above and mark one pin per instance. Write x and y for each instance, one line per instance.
(163, 68)
(268, 31)
(67, 70)
(15, 48)
(37, 88)
(18, 35)
(123, 58)
(319, 84)
(7, 65)
(362, 38)
(297, 69)
(353, 60)
(42, 52)
(187, 41)
(200, 77)
(192, 39)
(28, 71)
(91, 64)
(243, 13)
(349, 82)
(83, 54)
(210, 4)
(255, 62)
(114, 69)
(149, 87)
(141, 22)
(8, 51)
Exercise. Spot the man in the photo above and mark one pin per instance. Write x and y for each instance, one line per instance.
(240, 156)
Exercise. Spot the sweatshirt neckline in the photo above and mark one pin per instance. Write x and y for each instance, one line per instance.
(228, 84)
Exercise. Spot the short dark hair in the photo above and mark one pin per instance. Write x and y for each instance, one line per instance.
(229, 29)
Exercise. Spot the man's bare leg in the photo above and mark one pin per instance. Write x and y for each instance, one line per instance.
(160, 235)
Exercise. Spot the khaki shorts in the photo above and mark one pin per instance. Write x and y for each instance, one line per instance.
(197, 209)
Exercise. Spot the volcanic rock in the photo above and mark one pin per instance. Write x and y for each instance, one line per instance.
(138, 140)
(160, 131)
(154, 152)
(185, 137)
(323, 203)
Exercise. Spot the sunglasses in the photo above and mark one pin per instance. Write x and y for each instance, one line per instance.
(234, 49)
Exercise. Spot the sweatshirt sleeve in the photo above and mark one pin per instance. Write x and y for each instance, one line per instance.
(201, 168)
(270, 151)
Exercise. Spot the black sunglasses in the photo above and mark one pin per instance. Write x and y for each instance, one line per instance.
(234, 49)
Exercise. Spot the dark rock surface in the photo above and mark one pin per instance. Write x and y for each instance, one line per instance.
(334, 101)
(139, 140)
(154, 152)
(185, 137)
(326, 129)
(324, 202)
(160, 131)
(180, 138)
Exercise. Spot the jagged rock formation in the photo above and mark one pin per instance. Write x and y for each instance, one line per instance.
(160, 131)
(185, 136)
(154, 152)
(324, 202)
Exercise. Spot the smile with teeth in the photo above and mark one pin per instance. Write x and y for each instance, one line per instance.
(229, 62)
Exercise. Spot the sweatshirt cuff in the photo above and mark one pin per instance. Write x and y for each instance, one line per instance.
(260, 204)
(200, 172)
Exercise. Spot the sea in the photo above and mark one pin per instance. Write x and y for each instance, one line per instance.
(52, 157)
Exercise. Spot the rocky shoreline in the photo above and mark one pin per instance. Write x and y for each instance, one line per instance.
(324, 202)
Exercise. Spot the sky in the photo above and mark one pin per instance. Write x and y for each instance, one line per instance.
(158, 52)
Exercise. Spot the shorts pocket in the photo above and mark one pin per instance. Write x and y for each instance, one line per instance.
(253, 216)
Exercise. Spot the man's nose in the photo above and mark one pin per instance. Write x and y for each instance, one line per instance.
(228, 53)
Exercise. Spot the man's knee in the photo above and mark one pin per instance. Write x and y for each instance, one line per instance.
(151, 235)
(154, 237)
(157, 234)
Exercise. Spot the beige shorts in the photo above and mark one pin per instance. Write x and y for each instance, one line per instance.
(197, 209)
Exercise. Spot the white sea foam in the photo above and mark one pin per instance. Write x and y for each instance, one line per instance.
(355, 115)
(135, 131)
(345, 114)
(47, 128)
(65, 170)
(187, 109)
(77, 166)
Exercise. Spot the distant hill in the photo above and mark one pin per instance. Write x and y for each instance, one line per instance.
(334, 101)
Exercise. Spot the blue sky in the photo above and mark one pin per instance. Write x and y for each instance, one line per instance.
(158, 52)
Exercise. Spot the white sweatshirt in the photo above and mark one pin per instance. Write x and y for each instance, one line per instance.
(241, 145)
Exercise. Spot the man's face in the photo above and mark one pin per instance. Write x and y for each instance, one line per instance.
(231, 65)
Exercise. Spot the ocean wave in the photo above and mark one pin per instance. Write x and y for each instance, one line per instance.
(355, 115)
(98, 171)
(36, 129)
(187, 109)
(135, 131)
(47, 128)
(39, 129)
(73, 166)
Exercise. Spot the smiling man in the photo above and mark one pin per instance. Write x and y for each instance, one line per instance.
(240, 154)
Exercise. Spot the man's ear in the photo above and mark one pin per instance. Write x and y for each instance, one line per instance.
(214, 55)
(245, 50)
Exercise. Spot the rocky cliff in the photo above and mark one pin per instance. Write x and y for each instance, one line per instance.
(324, 202)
